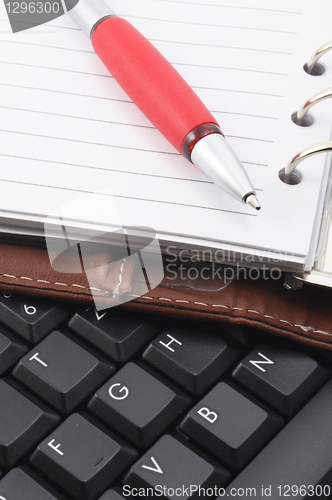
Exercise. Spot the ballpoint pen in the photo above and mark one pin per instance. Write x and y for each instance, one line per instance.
(163, 96)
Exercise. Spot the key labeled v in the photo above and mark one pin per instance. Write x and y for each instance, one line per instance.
(157, 469)
(98, 316)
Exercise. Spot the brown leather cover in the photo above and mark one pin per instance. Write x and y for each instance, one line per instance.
(304, 315)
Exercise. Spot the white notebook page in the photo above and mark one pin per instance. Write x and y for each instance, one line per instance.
(67, 129)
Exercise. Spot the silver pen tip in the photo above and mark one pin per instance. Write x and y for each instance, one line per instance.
(253, 201)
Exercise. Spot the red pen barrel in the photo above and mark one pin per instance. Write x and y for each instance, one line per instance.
(150, 80)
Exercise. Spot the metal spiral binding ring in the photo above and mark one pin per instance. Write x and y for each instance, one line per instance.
(301, 117)
(312, 66)
(288, 175)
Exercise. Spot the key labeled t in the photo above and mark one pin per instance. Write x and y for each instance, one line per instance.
(35, 356)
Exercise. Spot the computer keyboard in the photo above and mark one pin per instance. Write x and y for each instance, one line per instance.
(113, 404)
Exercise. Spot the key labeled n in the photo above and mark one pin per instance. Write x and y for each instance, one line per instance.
(264, 361)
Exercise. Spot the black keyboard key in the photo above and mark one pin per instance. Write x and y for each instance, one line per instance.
(170, 465)
(30, 317)
(83, 457)
(117, 335)
(245, 336)
(137, 404)
(24, 421)
(327, 355)
(22, 484)
(231, 426)
(283, 377)
(11, 350)
(193, 359)
(62, 372)
(299, 455)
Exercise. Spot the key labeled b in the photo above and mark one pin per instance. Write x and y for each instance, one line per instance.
(230, 425)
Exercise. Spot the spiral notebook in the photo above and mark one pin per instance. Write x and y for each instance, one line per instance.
(68, 131)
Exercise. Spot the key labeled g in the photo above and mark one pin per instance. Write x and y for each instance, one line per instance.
(117, 393)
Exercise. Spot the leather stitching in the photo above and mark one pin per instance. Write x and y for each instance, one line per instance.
(178, 301)
(56, 283)
(302, 327)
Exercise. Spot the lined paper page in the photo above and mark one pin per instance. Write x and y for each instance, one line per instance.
(67, 129)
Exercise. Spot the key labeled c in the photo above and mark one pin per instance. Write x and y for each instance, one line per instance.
(117, 394)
